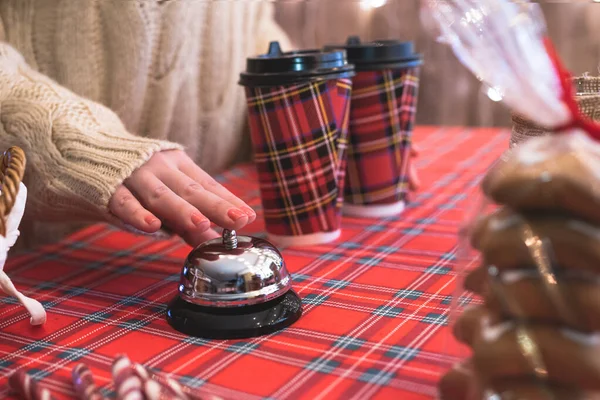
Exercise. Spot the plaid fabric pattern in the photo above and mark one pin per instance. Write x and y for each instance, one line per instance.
(382, 117)
(376, 302)
(299, 134)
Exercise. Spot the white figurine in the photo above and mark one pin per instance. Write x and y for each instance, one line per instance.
(35, 308)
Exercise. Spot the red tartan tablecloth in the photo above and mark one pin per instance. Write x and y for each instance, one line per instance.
(375, 302)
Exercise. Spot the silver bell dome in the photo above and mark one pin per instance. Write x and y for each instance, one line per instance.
(234, 271)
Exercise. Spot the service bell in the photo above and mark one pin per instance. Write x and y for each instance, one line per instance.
(234, 287)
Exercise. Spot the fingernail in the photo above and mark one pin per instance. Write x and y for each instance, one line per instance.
(198, 219)
(249, 212)
(150, 220)
(235, 214)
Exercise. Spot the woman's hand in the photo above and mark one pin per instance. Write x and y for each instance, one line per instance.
(171, 189)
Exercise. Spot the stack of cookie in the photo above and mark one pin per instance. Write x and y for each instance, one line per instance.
(537, 334)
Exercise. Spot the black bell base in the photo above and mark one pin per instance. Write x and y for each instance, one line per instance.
(235, 322)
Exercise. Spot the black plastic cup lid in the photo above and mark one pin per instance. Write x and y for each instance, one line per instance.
(277, 68)
(379, 54)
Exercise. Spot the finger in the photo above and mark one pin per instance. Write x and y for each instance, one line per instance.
(179, 215)
(414, 183)
(209, 183)
(126, 207)
(214, 207)
(195, 239)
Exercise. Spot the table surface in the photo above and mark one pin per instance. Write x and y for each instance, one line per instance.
(376, 301)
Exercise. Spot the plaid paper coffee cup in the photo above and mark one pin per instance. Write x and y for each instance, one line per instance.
(299, 126)
(382, 118)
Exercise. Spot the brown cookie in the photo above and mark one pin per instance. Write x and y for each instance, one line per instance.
(467, 327)
(532, 390)
(476, 281)
(482, 224)
(460, 383)
(573, 303)
(550, 173)
(537, 351)
(508, 240)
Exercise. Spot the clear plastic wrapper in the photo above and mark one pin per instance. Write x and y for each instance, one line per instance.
(525, 314)
(529, 253)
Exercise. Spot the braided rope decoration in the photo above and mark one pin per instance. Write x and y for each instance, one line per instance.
(12, 169)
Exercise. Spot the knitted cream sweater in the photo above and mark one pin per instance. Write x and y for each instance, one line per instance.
(90, 89)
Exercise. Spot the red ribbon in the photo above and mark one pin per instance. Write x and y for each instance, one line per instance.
(578, 120)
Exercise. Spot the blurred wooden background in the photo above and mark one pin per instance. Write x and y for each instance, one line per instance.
(449, 93)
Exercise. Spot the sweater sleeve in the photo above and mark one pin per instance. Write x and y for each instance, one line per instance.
(269, 30)
(78, 151)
